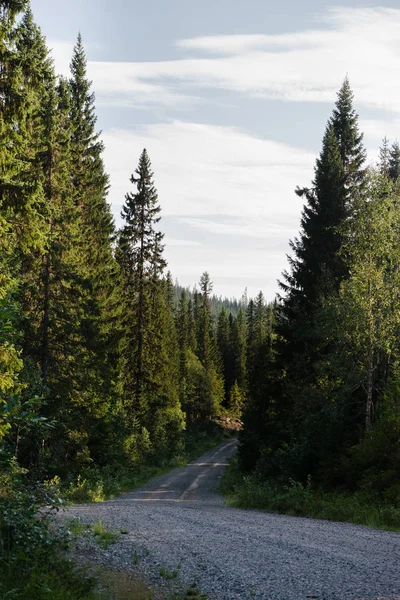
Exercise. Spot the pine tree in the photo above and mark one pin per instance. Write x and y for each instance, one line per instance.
(394, 161)
(318, 267)
(98, 267)
(224, 349)
(205, 344)
(148, 371)
(238, 351)
(384, 156)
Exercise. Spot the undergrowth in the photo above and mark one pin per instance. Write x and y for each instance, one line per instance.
(32, 553)
(99, 484)
(294, 498)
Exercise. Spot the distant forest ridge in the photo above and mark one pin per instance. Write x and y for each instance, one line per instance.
(231, 305)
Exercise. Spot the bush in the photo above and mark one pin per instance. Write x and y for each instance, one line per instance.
(294, 498)
(32, 565)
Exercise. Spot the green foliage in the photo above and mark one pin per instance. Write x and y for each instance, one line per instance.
(204, 390)
(31, 565)
(149, 353)
(99, 484)
(295, 498)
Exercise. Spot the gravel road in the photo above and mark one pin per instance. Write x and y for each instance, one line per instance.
(178, 522)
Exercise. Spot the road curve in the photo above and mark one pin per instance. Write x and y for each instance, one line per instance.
(178, 522)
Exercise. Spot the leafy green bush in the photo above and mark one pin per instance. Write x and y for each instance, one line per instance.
(32, 565)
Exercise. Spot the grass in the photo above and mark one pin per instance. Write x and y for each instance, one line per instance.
(297, 499)
(119, 585)
(56, 579)
(76, 527)
(123, 586)
(104, 538)
(190, 593)
(166, 574)
(135, 558)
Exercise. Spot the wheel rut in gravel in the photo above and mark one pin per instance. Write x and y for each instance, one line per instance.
(180, 523)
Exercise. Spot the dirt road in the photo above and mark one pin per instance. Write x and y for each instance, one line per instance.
(178, 524)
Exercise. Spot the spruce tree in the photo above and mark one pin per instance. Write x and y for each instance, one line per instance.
(205, 344)
(394, 161)
(224, 349)
(344, 121)
(98, 267)
(148, 371)
(238, 351)
(384, 155)
(317, 268)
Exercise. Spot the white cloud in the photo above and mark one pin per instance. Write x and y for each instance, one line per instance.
(180, 243)
(210, 170)
(244, 226)
(218, 181)
(303, 66)
(61, 51)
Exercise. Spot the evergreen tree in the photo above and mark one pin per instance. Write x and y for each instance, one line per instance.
(98, 267)
(224, 349)
(205, 344)
(384, 156)
(238, 352)
(344, 121)
(318, 267)
(394, 161)
(317, 270)
(148, 377)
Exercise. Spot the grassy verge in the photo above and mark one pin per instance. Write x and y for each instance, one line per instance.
(123, 586)
(303, 500)
(96, 485)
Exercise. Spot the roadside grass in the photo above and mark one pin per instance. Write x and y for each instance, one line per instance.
(97, 485)
(297, 499)
(110, 584)
(55, 579)
(119, 585)
(167, 574)
(104, 538)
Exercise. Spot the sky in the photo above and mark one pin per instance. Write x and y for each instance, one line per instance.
(231, 99)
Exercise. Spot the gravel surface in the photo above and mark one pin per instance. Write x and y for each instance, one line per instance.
(177, 522)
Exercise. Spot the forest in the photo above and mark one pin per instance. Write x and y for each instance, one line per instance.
(107, 366)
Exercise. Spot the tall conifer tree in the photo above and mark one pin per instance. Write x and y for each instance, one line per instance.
(148, 371)
(394, 161)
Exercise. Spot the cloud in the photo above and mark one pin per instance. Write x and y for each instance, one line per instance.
(244, 226)
(205, 170)
(179, 243)
(227, 194)
(300, 66)
(61, 51)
